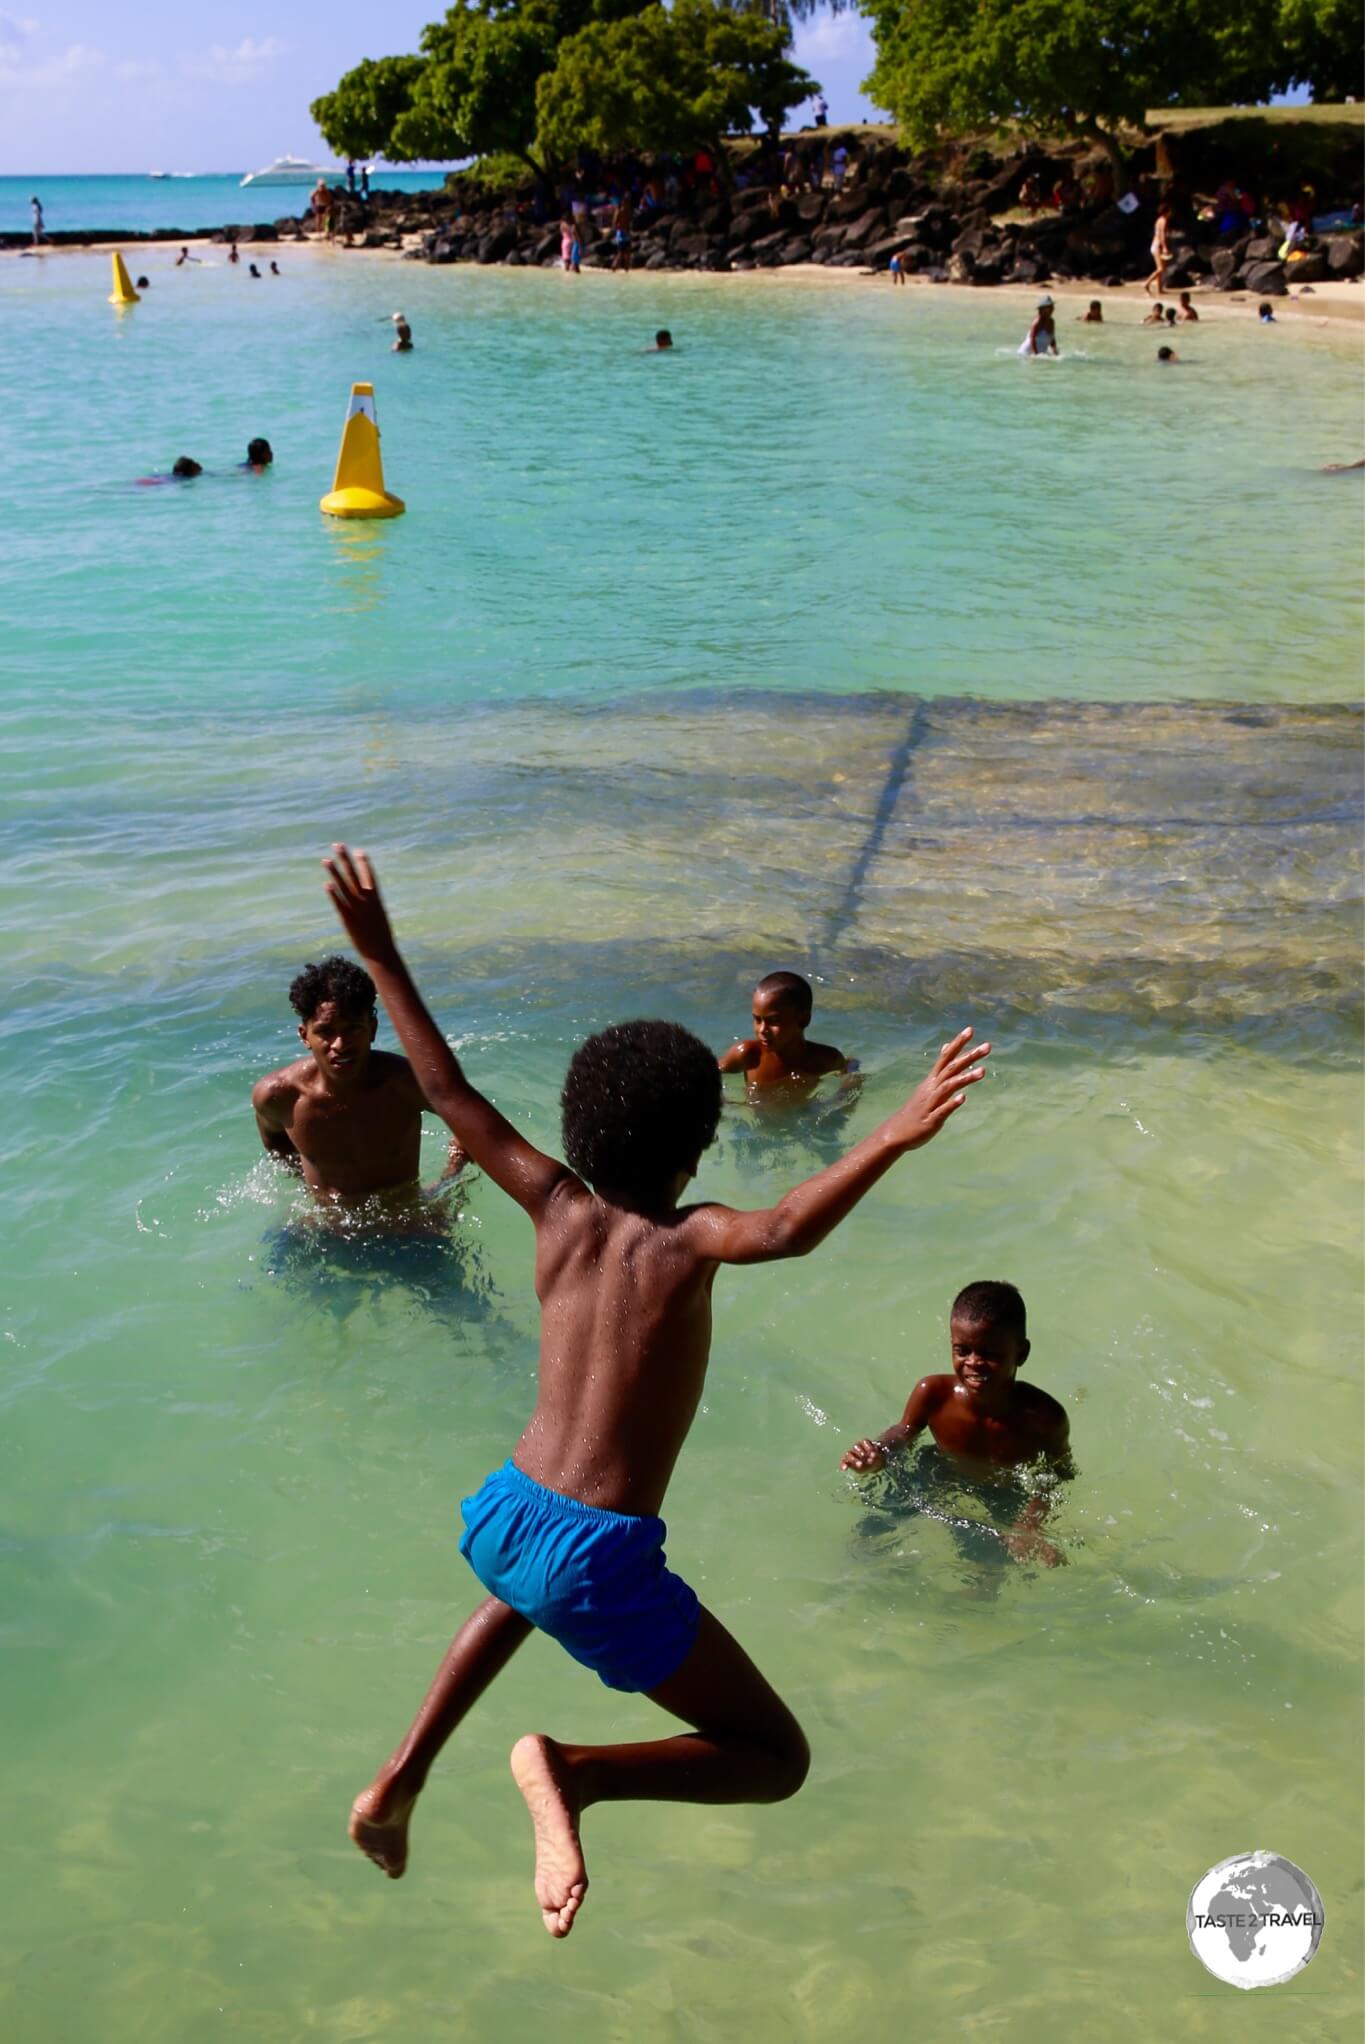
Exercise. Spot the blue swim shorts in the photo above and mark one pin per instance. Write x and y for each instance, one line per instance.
(594, 1580)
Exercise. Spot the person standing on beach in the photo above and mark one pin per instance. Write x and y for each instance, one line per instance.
(1161, 249)
(39, 231)
(620, 233)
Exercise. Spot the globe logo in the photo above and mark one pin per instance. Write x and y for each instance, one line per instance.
(1255, 1920)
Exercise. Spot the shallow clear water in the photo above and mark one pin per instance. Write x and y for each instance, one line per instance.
(1012, 693)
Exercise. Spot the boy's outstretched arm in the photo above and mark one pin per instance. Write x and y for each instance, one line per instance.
(524, 1172)
(866, 1455)
(806, 1215)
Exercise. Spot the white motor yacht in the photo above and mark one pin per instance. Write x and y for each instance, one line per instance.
(292, 170)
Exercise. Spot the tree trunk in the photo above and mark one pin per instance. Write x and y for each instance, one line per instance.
(1112, 148)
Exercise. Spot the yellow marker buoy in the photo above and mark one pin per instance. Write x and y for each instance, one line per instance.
(123, 292)
(358, 486)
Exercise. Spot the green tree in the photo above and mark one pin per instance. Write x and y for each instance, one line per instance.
(1085, 67)
(674, 78)
(1323, 47)
(358, 116)
(476, 95)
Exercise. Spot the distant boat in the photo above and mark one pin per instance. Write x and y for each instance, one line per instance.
(158, 173)
(292, 170)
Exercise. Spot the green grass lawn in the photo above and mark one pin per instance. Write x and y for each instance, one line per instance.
(1208, 116)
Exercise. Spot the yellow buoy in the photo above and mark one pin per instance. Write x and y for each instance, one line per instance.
(358, 486)
(123, 292)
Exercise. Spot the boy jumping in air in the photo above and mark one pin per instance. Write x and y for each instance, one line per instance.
(565, 1537)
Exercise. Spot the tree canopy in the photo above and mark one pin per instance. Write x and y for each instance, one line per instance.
(1087, 66)
(667, 78)
(526, 77)
(358, 117)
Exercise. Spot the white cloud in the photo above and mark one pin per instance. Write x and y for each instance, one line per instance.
(242, 66)
(18, 69)
(832, 35)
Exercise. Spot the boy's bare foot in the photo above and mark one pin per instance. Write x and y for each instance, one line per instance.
(379, 1826)
(561, 1877)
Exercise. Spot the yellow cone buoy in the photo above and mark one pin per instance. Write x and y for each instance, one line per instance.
(123, 292)
(358, 486)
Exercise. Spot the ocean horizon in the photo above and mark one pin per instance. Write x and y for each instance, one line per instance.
(167, 201)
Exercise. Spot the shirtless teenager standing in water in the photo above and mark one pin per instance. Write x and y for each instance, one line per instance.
(565, 1537)
(348, 1117)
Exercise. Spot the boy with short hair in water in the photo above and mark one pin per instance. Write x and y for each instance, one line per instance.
(347, 1117)
(778, 1054)
(565, 1536)
(981, 1415)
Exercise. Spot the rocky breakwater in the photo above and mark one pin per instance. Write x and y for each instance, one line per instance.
(945, 224)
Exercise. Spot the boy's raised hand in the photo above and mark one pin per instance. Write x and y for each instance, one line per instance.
(942, 1093)
(354, 892)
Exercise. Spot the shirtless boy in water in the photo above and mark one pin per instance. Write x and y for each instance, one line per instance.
(565, 1536)
(981, 1415)
(348, 1117)
(777, 1054)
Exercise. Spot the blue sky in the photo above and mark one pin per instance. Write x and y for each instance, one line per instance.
(152, 85)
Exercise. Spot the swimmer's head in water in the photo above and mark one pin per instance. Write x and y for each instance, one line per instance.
(141, 284)
(184, 467)
(259, 455)
(663, 339)
(782, 1008)
(987, 1331)
(335, 1003)
(641, 1102)
(1165, 355)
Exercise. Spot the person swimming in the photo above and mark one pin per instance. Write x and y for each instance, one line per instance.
(1041, 338)
(981, 1416)
(259, 455)
(777, 1059)
(347, 1118)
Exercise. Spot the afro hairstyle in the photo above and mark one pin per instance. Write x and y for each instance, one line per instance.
(641, 1102)
(337, 979)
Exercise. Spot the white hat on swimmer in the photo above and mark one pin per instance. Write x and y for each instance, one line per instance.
(1044, 303)
(398, 315)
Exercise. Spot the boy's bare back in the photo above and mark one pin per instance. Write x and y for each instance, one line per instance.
(624, 1283)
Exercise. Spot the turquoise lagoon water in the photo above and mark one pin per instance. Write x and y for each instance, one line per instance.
(192, 201)
(1025, 695)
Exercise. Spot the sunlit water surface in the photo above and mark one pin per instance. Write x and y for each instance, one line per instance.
(610, 706)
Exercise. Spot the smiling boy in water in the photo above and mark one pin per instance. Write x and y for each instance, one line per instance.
(778, 1055)
(982, 1416)
(565, 1537)
(348, 1117)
